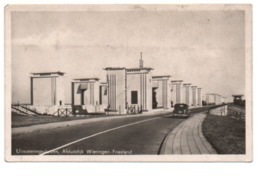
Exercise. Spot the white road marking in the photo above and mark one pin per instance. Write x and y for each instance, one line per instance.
(93, 135)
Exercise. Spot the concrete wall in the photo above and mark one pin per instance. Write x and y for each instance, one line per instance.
(133, 84)
(224, 100)
(95, 96)
(199, 91)
(176, 93)
(194, 96)
(218, 99)
(43, 91)
(213, 99)
(221, 111)
(104, 96)
(117, 90)
(76, 94)
(143, 85)
(48, 109)
(47, 91)
(187, 97)
(60, 95)
(163, 92)
(184, 94)
(149, 91)
(210, 99)
(159, 95)
(91, 94)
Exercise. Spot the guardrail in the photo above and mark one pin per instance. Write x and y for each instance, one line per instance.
(233, 111)
(206, 108)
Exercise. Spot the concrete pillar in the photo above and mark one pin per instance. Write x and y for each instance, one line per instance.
(176, 92)
(31, 90)
(194, 95)
(210, 99)
(216, 99)
(149, 91)
(116, 79)
(199, 96)
(165, 94)
(187, 93)
(223, 100)
(72, 93)
(112, 93)
(103, 99)
(163, 91)
(143, 91)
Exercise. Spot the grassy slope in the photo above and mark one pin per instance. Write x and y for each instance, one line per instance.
(23, 120)
(226, 134)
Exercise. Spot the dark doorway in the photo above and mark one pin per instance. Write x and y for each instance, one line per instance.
(100, 95)
(154, 100)
(134, 97)
(82, 96)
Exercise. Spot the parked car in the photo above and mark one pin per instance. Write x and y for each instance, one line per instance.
(181, 110)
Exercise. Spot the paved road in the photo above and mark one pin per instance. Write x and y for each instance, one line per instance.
(134, 135)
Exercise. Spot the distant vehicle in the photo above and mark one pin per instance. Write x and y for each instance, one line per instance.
(181, 110)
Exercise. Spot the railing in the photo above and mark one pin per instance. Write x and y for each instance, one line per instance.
(133, 109)
(30, 110)
(63, 112)
(16, 108)
(21, 109)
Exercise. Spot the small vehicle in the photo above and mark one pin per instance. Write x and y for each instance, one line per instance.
(181, 110)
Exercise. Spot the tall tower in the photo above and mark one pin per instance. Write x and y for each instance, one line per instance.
(141, 62)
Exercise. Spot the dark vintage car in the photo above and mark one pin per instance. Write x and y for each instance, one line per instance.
(181, 110)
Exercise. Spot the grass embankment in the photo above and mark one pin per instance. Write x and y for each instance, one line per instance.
(226, 135)
(25, 120)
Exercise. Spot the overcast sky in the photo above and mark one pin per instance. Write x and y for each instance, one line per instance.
(205, 48)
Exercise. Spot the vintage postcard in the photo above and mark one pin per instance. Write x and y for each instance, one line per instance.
(143, 83)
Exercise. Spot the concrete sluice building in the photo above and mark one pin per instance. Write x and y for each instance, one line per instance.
(126, 91)
(185, 93)
(88, 95)
(213, 99)
(129, 90)
(161, 92)
(224, 100)
(47, 92)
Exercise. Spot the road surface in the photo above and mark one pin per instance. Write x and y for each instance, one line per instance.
(122, 136)
(133, 135)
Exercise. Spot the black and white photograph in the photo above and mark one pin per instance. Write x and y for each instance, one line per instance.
(168, 83)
